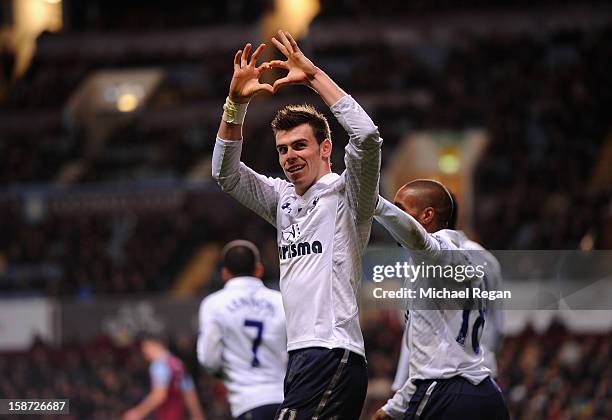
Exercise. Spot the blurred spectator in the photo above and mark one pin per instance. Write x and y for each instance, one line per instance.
(171, 386)
(555, 375)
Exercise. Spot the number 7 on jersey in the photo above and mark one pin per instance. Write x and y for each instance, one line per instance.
(257, 341)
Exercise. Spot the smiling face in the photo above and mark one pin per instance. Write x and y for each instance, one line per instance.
(302, 158)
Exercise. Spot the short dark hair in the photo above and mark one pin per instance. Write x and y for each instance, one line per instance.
(240, 258)
(292, 116)
(434, 194)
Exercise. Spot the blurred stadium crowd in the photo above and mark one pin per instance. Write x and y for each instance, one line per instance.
(554, 376)
(128, 224)
(544, 101)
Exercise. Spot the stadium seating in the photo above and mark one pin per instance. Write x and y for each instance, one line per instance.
(562, 376)
(543, 152)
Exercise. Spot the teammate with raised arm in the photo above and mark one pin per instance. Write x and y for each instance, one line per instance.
(447, 373)
(243, 336)
(323, 223)
(491, 335)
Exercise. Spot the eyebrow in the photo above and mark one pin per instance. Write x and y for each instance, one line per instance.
(397, 203)
(301, 139)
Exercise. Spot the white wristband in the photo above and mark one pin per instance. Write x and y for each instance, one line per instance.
(234, 113)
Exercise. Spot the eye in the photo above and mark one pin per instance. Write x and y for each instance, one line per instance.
(299, 146)
(282, 150)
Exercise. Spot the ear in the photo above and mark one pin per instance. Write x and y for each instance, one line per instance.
(225, 274)
(259, 271)
(427, 216)
(326, 148)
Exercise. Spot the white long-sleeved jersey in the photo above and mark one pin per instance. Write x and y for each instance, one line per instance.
(242, 334)
(402, 372)
(491, 334)
(442, 342)
(321, 235)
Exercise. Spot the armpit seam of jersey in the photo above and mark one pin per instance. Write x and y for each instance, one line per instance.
(356, 312)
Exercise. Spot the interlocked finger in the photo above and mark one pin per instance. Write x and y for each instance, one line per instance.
(263, 66)
(279, 63)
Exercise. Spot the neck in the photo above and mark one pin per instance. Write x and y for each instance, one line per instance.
(431, 228)
(303, 190)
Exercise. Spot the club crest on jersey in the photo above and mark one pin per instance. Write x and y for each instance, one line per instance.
(292, 233)
(314, 204)
(286, 207)
(300, 249)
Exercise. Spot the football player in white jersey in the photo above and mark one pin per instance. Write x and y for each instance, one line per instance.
(491, 335)
(323, 223)
(447, 374)
(243, 336)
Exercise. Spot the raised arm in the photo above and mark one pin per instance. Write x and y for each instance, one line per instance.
(409, 233)
(362, 156)
(255, 191)
(404, 228)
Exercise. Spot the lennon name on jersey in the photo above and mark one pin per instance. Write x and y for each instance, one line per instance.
(264, 306)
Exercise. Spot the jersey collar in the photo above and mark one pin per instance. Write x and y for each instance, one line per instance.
(243, 281)
(323, 182)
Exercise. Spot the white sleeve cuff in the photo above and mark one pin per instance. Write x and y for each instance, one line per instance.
(392, 410)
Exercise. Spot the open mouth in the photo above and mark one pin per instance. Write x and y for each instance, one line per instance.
(295, 168)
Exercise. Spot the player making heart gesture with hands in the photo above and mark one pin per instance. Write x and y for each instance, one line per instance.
(329, 216)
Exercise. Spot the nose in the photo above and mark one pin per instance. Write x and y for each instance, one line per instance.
(290, 155)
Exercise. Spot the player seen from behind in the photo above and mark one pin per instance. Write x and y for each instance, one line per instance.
(243, 337)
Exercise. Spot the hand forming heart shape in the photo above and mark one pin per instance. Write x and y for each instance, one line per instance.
(245, 81)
